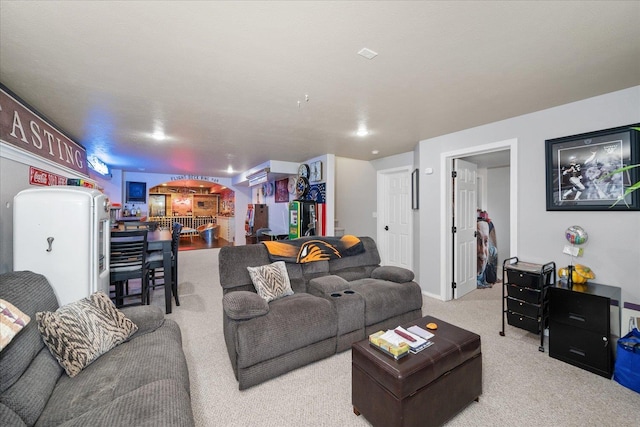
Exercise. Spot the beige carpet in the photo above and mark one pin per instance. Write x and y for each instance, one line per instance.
(522, 386)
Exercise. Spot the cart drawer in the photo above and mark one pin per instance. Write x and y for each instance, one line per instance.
(523, 278)
(523, 322)
(533, 296)
(527, 279)
(524, 308)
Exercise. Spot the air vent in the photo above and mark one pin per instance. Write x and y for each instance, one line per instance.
(259, 177)
(367, 53)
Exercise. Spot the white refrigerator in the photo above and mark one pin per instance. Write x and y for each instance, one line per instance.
(63, 233)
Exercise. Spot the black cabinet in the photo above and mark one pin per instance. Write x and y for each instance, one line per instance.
(524, 295)
(582, 329)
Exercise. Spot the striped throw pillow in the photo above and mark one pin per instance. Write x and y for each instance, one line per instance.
(271, 281)
(78, 333)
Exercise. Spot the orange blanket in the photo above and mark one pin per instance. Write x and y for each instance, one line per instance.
(309, 249)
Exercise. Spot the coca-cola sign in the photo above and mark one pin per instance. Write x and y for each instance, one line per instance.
(44, 178)
(22, 128)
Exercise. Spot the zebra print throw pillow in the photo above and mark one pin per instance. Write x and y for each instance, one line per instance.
(80, 332)
(271, 281)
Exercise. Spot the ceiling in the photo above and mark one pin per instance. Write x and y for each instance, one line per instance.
(239, 83)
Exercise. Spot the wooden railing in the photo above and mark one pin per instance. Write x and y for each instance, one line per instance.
(186, 221)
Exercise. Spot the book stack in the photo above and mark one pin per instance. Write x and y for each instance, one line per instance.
(396, 351)
(399, 342)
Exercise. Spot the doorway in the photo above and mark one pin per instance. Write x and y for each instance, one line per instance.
(482, 155)
(395, 218)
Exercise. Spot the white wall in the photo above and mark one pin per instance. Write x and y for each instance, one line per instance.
(392, 162)
(613, 250)
(10, 187)
(355, 202)
(497, 195)
(112, 185)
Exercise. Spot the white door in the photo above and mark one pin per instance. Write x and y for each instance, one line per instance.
(394, 219)
(465, 196)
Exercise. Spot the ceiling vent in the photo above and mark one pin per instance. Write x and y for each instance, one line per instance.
(367, 53)
(259, 177)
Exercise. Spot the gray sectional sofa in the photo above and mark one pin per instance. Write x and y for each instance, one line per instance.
(335, 303)
(141, 382)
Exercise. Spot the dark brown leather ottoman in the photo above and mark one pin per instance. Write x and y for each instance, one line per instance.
(424, 389)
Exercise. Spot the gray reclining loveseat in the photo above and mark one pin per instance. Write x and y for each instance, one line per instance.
(141, 382)
(334, 304)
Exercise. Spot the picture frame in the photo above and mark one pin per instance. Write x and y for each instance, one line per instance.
(136, 192)
(414, 190)
(578, 170)
(282, 191)
(315, 171)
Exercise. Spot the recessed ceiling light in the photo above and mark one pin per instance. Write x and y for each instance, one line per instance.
(367, 53)
(229, 169)
(362, 132)
(375, 152)
(159, 136)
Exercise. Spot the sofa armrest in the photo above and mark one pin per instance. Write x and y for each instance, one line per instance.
(243, 305)
(322, 286)
(147, 318)
(393, 274)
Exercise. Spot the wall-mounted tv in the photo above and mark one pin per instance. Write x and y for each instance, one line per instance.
(136, 192)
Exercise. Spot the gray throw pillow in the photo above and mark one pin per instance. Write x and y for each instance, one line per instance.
(271, 281)
(80, 332)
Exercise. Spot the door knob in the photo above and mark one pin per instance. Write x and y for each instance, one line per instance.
(386, 228)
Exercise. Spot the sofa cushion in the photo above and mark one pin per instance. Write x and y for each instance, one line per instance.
(370, 257)
(9, 417)
(12, 320)
(147, 318)
(128, 367)
(292, 323)
(26, 361)
(28, 397)
(80, 332)
(234, 260)
(159, 403)
(384, 299)
(312, 270)
(315, 269)
(271, 280)
(393, 274)
(241, 305)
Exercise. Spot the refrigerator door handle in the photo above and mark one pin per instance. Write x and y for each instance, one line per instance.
(50, 241)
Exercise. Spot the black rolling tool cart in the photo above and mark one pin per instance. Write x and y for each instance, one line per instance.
(525, 295)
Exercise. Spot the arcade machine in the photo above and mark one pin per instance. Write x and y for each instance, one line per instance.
(302, 219)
